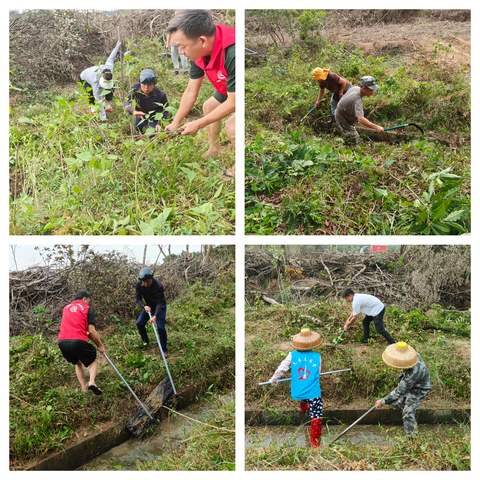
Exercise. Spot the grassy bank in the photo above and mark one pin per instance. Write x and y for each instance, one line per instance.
(450, 451)
(441, 337)
(301, 178)
(72, 174)
(209, 447)
(47, 408)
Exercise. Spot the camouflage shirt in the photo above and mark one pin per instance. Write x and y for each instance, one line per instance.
(413, 380)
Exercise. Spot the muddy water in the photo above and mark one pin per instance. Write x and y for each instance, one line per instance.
(299, 436)
(167, 435)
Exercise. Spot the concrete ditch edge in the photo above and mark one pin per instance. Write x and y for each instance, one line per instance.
(384, 416)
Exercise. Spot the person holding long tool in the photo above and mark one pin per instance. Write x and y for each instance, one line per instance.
(150, 102)
(211, 50)
(333, 82)
(78, 325)
(414, 383)
(97, 80)
(373, 309)
(306, 366)
(150, 296)
(350, 110)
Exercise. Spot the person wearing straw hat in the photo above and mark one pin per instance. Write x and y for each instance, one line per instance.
(78, 325)
(414, 383)
(306, 366)
(333, 82)
(97, 80)
(373, 309)
(350, 110)
(150, 296)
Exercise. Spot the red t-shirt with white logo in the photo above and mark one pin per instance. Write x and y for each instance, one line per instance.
(74, 322)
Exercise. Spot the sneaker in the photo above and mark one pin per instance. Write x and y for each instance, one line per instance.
(186, 72)
(175, 72)
(165, 354)
(363, 342)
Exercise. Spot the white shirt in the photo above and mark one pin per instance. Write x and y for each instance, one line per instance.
(367, 304)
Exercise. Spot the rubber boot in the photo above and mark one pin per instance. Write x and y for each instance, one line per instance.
(316, 432)
(304, 406)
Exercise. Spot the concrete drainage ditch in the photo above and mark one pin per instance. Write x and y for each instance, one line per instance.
(292, 428)
(86, 450)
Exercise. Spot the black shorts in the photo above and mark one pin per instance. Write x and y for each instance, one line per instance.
(78, 350)
(220, 97)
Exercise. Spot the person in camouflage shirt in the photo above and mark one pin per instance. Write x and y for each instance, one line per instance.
(414, 383)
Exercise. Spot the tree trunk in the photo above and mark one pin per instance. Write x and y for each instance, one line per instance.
(139, 423)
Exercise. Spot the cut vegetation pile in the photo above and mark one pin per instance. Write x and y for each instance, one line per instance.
(48, 411)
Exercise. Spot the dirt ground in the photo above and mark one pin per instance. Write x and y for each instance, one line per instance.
(410, 35)
(381, 39)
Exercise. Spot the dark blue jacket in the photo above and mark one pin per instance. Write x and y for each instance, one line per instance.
(153, 296)
(147, 104)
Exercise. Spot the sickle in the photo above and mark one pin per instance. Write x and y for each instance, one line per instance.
(405, 125)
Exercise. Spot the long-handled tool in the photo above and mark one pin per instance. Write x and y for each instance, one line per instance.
(326, 373)
(121, 63)
(163, 356)
(405, 125)
(128, 386)
(314, 107)
(353, 424)
(338, 339)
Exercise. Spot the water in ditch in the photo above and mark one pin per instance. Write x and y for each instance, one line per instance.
(168, 435)
(299, 436)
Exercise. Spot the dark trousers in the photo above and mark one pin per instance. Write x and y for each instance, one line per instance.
(378, 322)
(91, 99)
(141, 125)
(162, 332)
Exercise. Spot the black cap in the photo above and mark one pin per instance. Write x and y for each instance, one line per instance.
(148, 77)
(145, 274)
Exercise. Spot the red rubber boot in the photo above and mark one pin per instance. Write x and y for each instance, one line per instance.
(316, 432)
(304, 406)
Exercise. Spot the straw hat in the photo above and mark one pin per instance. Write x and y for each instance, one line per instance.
(306, 340)
(400, 355)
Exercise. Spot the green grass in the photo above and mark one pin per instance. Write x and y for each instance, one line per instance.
(72, 174)
(207, 447)
(303, 179)
(442, 338)
(47, 407)
(451, 450)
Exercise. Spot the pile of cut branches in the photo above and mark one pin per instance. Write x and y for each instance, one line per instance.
(56, 45)
(411, 277)
(39, 293)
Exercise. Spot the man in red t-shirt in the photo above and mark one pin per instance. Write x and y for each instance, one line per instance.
(211, 50)
(78, 323)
